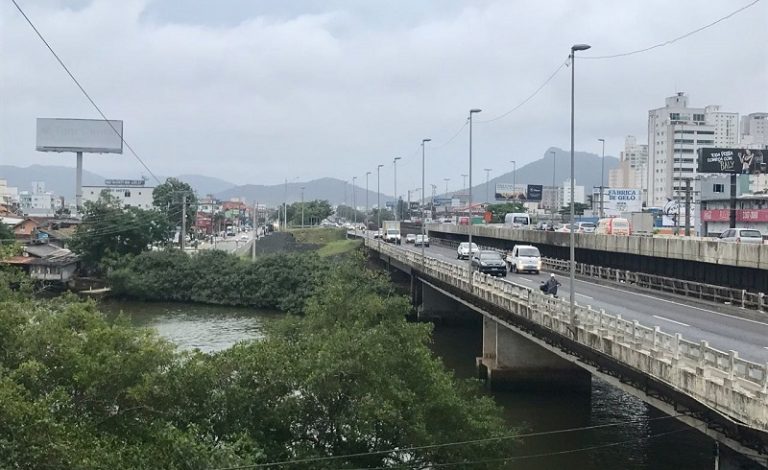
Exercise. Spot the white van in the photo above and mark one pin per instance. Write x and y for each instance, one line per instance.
(518, 220)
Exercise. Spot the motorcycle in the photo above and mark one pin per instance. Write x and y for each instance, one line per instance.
(544, 287)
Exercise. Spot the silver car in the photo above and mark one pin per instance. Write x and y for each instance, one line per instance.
(462, 252)
(741, 235)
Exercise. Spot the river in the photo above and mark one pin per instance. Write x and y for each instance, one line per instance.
(647, 440)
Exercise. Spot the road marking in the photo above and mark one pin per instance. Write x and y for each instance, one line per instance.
(585, 296)
(670, 320)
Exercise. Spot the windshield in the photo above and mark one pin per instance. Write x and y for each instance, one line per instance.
(528, 252)
(620, 224)
(520, 220)
(751, 234)
(489, 255)
(393, 231)
(588, 225)
(465, 246)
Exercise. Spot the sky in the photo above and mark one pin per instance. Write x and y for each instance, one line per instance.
(255, 92)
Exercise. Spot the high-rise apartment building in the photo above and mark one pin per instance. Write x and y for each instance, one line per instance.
(632, 171)
(754, 130)
(675, 133)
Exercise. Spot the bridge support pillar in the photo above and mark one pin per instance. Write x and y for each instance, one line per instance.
(511, 361)
(436, 306)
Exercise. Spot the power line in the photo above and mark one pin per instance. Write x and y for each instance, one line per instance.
(672, 41)
(530, 97)
(446, 444)
(66, 69)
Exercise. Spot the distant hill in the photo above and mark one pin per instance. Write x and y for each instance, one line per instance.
(586, 170)
(61, 179)
(330, 189)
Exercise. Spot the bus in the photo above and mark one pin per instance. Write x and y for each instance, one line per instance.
(519, 220)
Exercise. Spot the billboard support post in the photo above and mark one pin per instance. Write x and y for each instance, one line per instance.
(732, 205)
(687, 207)
(79, 182)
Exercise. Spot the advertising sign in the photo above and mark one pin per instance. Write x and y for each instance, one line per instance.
(441, 201)
(534, 192)
(507, 192)
(715, 215)
(123, 182)
(751, 215)
(414, 205)
(79, 135)
(734, 161)
(618, 200)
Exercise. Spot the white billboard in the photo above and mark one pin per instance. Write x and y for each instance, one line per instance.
(79, 135)
(618, 200)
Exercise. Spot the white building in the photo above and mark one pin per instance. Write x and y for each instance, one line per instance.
(675, 133)
(37, 202)
(632, 171)
(132, 193)
(754, 130)
(9, 195)
(578, 194)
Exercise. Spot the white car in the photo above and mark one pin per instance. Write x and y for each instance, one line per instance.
(410, 238)
(462, 252)
(421, 240)
(243, 238)
(524, 258)
(741, 235)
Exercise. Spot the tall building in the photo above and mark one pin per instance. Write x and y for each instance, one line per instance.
(632, 171)
(578, 194)
(754, 130)
(675, 133)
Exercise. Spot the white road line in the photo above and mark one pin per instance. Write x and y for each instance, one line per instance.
(670, 320)
(585, 296)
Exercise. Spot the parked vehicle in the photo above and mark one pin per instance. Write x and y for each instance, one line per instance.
(421, 240)
(741, 235)
(489, 262)
(392, 232)
(410, 238)
(463, 251)
(613, 226)
(518, 220)
(524, 258)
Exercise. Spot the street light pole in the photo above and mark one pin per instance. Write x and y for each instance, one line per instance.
(469, 270)
(572, 283)
(602, 179)
(487, 185)
(354, 203)
(397, 200)
(378, 196)
(446, 185)
(423, 190)
(554, 189)
(514, 175)
(367, 173)
(302, 207)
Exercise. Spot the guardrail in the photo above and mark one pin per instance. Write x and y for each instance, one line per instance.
(720, 379)
(726, 295)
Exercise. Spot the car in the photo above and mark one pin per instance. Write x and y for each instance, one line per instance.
(741, 235)
(565, 228)
(421, 240)
(462, 252)
(524, 258)
(613, 226)
(585, 227)
(410, 238)
(489, 262)
(243, 238)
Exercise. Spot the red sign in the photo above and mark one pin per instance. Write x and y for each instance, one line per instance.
(752, 215)
(715, 215)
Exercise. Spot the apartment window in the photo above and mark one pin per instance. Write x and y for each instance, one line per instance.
(683, 141)
(718, 188)
(705, 142)
(674, 116)
(127, 194)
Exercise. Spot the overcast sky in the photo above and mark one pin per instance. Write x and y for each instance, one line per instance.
(258, 91)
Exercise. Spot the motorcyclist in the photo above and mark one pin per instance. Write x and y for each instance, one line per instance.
(550, 287)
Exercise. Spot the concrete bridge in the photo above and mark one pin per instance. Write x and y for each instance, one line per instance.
(742, 266)
(530, 341)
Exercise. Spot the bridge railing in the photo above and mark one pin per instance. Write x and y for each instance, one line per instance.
(721, 379)
(710, 292)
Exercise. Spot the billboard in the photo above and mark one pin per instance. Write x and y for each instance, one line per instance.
(734, 161)
(79, 135)
(511, 192)
(618, 200)
(534, 192)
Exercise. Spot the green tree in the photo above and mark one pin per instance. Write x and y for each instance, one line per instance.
(579, 209)
(385, 215)
(6, 234)
(314, 212)
(108, 230)
(168, 198)
(498, 211)
(349, 213)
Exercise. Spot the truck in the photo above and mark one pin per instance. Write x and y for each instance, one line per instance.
(392, 232)
(642, 223)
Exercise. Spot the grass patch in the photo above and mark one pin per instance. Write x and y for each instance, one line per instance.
(319, 236)
(338, 247)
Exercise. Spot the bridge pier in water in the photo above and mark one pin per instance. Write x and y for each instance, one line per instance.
(511, 361)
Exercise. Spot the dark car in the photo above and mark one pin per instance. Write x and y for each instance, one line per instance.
(489, 262)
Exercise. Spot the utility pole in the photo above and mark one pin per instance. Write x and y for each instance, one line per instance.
(514, 176)
(302, 206)
(446, 185)
(366, 199)
(253, 238)
(687, 207)
(469, 206)
(602, 180)
(554, 189)
(378, 196)
(183, 234)
(354, 203)
(487, 185)
(397, 200)
(285, 207)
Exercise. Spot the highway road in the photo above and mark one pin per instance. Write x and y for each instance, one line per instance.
(672, 314)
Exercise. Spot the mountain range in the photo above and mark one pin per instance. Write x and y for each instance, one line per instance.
(60, 180)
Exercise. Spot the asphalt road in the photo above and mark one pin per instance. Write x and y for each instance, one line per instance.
(673, 315)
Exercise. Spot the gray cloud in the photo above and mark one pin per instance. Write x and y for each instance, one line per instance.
(259, 91)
